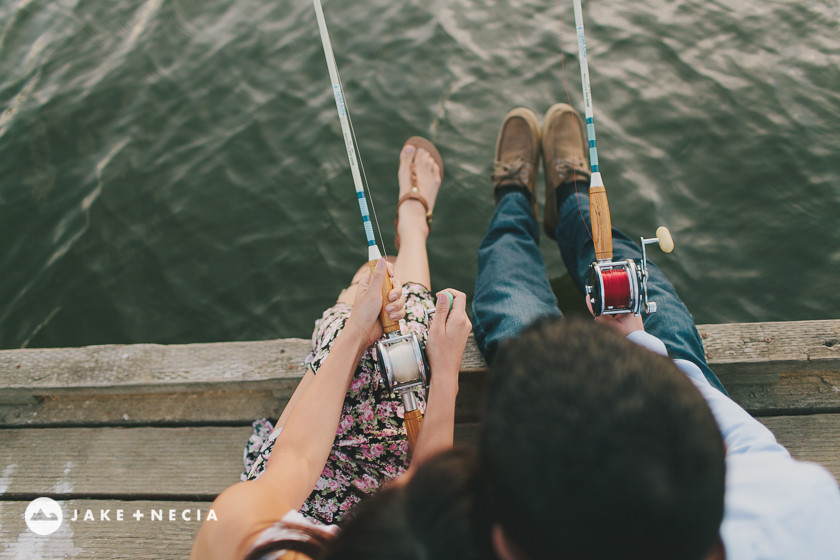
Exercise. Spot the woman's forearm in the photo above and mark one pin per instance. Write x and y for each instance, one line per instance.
(302, 448)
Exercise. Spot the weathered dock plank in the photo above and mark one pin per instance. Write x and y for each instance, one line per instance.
(132, 538)
(138, 368)
(741, 353)
(771, 348)
(206, 390)
(234, 406)
(810, 438)
(192, 463)
(197, 463)
(792, 393)
(144, 427)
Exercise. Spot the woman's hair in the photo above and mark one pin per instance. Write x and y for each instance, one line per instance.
(429, 517)
(295, 541)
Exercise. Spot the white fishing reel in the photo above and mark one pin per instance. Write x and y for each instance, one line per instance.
(615, 287)
(402, 365)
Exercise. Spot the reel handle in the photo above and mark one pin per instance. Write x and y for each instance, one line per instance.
(413, 423)
(388, 324)
(599, 211)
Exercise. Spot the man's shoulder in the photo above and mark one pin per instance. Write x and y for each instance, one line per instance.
(778, 507)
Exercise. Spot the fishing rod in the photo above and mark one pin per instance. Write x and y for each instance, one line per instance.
(613, 287)
(401, 358)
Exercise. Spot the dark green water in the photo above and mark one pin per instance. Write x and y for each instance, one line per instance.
(173, 171)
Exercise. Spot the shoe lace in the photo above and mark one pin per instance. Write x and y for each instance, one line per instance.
(516, 171)
(565, 168)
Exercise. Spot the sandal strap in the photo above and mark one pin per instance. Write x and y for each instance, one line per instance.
(415, 195)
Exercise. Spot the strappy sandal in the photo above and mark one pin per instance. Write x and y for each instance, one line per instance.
(414, 193)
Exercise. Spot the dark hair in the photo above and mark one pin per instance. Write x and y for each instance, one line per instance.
(429, 517)
(594, 447)
(309, 541)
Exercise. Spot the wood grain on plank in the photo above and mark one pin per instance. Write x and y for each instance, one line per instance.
(196, 407)
(810, 438)
(738, 352)
(151, 367)
(204, 461)
(198, 462)
(792, 393)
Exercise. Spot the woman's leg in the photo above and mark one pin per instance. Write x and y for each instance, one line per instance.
(412, 259)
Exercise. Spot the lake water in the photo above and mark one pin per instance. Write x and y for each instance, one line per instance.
(173, 171)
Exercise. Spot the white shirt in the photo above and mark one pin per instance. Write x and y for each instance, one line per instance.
(775, 507)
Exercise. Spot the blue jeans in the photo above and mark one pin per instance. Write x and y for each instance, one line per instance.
(512, 289)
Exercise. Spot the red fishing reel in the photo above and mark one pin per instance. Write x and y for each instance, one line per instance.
(615, 287)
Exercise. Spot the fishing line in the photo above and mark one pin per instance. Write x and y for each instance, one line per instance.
(617, 288)
(364, 175)
(349, 135)
(587, 94)
(613, 287)
(401, 360)
(569, 101)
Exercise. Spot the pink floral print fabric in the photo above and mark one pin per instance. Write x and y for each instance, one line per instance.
(370, 445)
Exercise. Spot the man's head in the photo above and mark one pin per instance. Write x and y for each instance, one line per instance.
(596, 448)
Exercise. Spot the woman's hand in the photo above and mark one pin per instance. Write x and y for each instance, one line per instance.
(624, 323)
(448, 336)
(364, 318)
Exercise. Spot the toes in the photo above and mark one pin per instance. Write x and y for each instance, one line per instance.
(407, 153)
(404, 173)
(436, 171)
(427, 165)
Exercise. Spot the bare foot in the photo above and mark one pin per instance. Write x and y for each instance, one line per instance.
(423, 177)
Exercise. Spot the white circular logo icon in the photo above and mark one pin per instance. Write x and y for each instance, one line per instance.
(43, 516)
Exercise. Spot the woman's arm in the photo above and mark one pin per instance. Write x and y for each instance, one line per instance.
(299, 391)
(302, 448)
(447, 338)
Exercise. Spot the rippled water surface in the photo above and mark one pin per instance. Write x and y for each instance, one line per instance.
(173, 171)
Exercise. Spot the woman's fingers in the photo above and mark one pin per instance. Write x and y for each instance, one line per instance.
(441, 313)
(460, 302)
(396, 308)
(378, 273)
(451, 306)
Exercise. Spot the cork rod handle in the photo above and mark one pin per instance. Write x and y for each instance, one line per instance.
(413, 423)
(599, 211)
(388, 324)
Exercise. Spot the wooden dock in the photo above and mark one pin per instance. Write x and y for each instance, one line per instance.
(157, 431)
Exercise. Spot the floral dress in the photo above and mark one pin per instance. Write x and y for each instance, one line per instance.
(370, 445)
